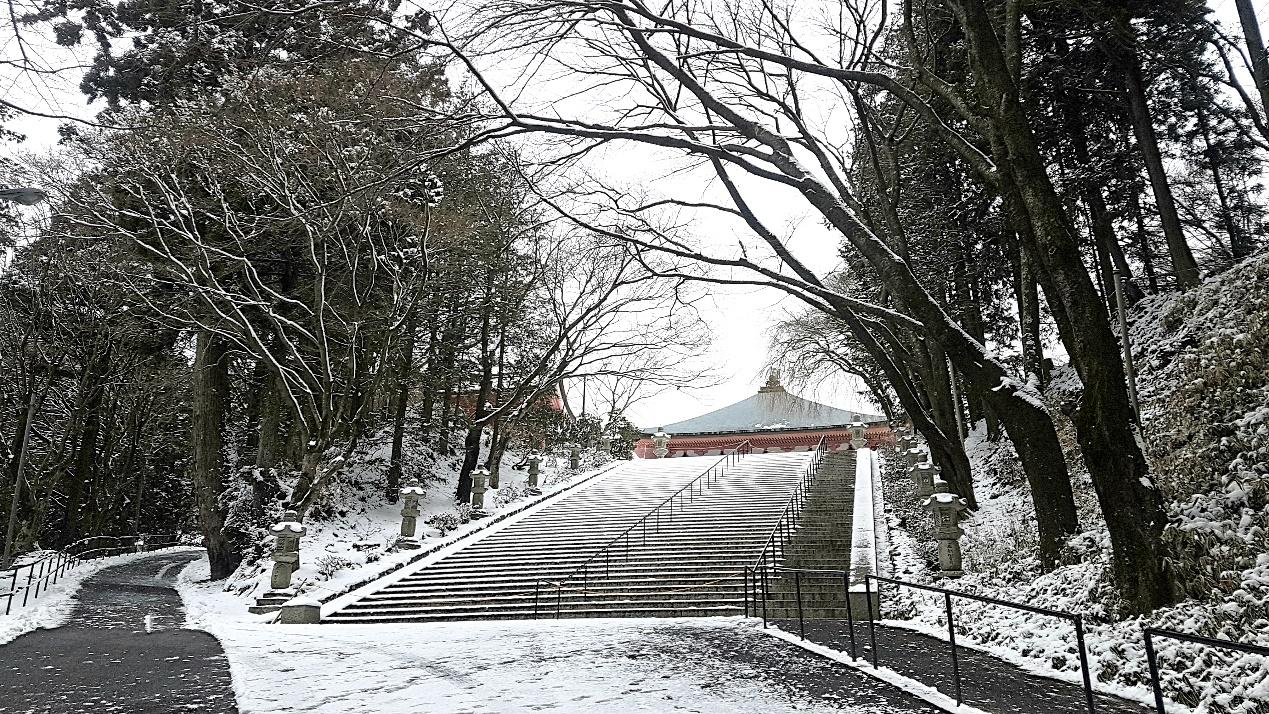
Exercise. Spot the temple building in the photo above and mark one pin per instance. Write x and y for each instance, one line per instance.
(771, 421)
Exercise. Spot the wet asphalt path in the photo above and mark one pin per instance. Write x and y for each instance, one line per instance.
(121, 651)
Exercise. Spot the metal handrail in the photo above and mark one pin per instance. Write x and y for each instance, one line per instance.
(1071, 617)
(54, 565)
(1152, 657)
(793, 508)
(739, 450)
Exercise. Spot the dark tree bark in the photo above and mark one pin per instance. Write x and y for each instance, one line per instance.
(1104, 421)
(1256, 50)
(1122, 52)
(210, 400)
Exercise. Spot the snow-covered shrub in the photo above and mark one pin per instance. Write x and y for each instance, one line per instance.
(447, 521)
(329, 564)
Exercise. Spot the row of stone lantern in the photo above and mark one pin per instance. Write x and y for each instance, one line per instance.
(944, 506)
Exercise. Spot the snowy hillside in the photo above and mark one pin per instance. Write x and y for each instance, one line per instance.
(1204, 388)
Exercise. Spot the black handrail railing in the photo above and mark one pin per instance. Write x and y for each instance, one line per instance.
(1075, 619)
(1152, 658)
(783, 527)
(45, 570)
(1071, 617)
(715, 470)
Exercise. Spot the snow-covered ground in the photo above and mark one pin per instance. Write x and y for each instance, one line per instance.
(55, 604)
(622, 665)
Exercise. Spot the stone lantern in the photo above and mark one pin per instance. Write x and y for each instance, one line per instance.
(915, 455)
(140, 545)
(535, 468)
(947, 508)
(286, 549)
(906, 442)
(410, 494)
(923, 477)
(575, 457)
(857, 431)
(479, 484)
(661, 442)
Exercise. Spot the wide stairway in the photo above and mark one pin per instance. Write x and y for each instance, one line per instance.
(688, 560)
(822, 541)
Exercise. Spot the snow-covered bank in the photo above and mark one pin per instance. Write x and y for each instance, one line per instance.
(55, 604)
(353, 540)
(1203, 359)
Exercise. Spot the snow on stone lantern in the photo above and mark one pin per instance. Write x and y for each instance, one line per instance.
(915, 455)
(857, 431)
(946, 509)
(535, 468)
(923, 477)
(410, 494)
(286, 549)
(479, 484)
(661, 443)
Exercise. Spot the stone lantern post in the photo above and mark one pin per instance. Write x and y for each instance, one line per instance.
(479, 484)
(947, 508)
(286, 549)
(410, 494)
(857, 431)
(535, 468)
(575, 457)
(923, 477)
(661, 442)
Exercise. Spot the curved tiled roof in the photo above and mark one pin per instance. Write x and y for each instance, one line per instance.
(771, 409)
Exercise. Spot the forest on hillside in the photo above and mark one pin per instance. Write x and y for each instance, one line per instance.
(294, 229)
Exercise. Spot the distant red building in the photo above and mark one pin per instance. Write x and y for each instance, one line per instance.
(771, 421)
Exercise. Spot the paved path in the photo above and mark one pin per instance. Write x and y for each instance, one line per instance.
(989, 683)
(121, 651)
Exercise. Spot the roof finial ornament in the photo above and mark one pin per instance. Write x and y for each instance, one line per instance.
(773, 383)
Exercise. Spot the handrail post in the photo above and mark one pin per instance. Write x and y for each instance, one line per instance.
(1088, 676)
(559, 589)
(797, 589)
(537, 584)
(746, 591)
(872, 620)
(26, 592)
(764, 596)
(951, 638)
(1154, 673)
(850, 613)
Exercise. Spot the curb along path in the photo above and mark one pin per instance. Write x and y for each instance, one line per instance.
(122, 650)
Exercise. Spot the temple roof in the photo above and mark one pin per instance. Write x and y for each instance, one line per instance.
(771, 409)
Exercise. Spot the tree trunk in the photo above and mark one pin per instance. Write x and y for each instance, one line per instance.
(401, 400)
(210, 399)
(1104, 421)
(1256, 50)
(1184, 268)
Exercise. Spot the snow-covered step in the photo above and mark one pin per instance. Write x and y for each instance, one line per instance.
(691, 563)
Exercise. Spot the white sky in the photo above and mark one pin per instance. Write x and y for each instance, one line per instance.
(740, 318)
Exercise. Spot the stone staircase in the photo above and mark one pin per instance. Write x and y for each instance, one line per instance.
(690, 562)
(822, 540)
